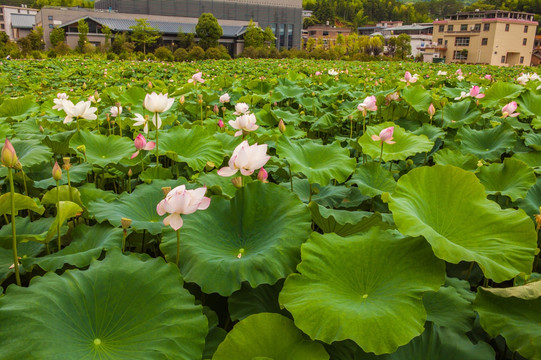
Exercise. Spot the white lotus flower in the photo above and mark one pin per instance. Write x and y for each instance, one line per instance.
(140, 120)
(116, 111)
(81, 110)
(158, 103)
(241, 108)
(332, 72)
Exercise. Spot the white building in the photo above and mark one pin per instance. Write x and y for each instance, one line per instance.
(13, 23)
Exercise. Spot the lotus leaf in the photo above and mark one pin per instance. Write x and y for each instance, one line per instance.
(513, 178)
(488, 144)
(102, 150)
(372, 179)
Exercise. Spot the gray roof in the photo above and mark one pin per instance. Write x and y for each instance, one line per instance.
(23, 21)
(410, 27)
(165, 27)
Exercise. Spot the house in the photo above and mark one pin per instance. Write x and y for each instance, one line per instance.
(16, 21)
(326, 33)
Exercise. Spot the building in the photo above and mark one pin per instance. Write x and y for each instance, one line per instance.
(283, 16)
(494, 37)
(420, 34)
(16, 21)
(67, 18)
(325, 33)
(536, 55)
(307, 13)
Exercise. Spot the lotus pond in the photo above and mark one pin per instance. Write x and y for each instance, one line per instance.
(272, 209)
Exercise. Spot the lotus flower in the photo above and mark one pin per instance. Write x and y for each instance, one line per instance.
(262, 175)
(369, 103)
(509, 110)
(116, 111)
(57, 171)
(80, 111)
(244, 123)
(385, 135)
(141, 144)
(241, 108)
(198, 77)
(221, 124)
(157, 103)
(332, 72)
(475, 92)
(225, 98)
(431, 110)
(140, 120)
(181, 201)
(442, 73)
(59, 101)
(9, 156)
(318, 73)
(247, 159)
(410, 79)
(488, 77)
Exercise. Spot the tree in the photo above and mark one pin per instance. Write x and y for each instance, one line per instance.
(403, 46)
(208, 31)
(324, 12)
(310, 44)
(269, 37)
(185, 40)
(4, 38)
(108, 33)
(57, 36)
(254, 36)
(35, 37)
(82, 28)
(310, 21)
(144, 34)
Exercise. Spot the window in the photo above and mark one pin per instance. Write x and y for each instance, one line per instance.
(477, 27)
(442, 28)
(463, 27)
(2, 26)
(445, 42)
(486, 27)
(51, 26)
(503, 59)
(1, 17)
(506, 27)
(525, 28)
(312, 32)
(522, 59)
(50, 17)
(440, 41)
(462, 41)
(484, 41)
(449, 27)
(524, 41)
(325, 33)
(460, 55)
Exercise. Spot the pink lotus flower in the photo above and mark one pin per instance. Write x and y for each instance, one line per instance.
(431, 110)
(262, 175)
(221, 124)
(385, 135)
(410, 79)
(241, 108)
(244, 123)
(247, 159)
(509, 110)
(198, 77)
(475, 92)
(141, 144)
(318, 73)
(181, 201)
(369, 103)
(488, 77)
(116, 111)
(225, 98)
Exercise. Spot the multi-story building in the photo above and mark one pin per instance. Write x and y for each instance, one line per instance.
(494, 37)
(325, 33)
(420, 34)
(13, 23)
(283, 16)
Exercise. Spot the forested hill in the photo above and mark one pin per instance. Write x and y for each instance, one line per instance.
(38, 4)
(359, 12)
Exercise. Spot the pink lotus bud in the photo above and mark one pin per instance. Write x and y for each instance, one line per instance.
(262, 175)
(130, 173)
(9, 156)
(57, 171)
(140, 142)
(221, 124)
(431, 110)
(282, 126)
(216, 109)
(150, 85)
(488, 77)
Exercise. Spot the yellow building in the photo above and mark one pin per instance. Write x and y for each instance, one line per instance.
(494, 37)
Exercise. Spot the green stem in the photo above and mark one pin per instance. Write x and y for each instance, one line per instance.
(351, 128)
(119, 125)
(157, 156)
(310, 195)
(13, 229)
(58, 215)
(69, 184)
(129, 184)
(178, 247)
(381, 153)
(469, 271)
(142, 161)
(124, 235)
(290, 177)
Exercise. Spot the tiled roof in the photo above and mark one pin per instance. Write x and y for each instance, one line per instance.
(23, 21)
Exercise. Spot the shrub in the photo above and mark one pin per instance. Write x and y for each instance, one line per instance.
(180, 54)
(89, 48)
(112, 56)
(151, 57)
(213, 53)
(36, 54)
(163, 53)
(196, 53)
(249, 52)
(51, 54)
(62, 49)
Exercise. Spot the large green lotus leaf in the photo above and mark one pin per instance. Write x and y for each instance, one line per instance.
(513, 178)
(87, 245)
(193, 146)
(18, 108)
(430, 131)
(28, 230)
(220, 185)
(532, 202)
(66, 210)
(254, 237)
(155, 172)
(514, 314)
(343, 222)
(78, 174)
(455, 158)
(373, 298)
(49, 198)
(533, 141)
(330, 196)
(320, 163)
(248, 301)
(372, 179)
(134, 98)
(268, 336)
(215, 334)
(501, 90)
(458, 114)
(488, 144)
(529, 104)
(417, 97)
(139, 206)
(102, 150)
(447, 308)
(22, 202)
(89, 192)
(406, 144)
(31, 152)
(439, 343)
(448, 206)
(532, 159)
(114, 310)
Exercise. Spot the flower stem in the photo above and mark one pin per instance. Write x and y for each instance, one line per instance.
(142, 162)
(351, 128)
(310, 195)
(157, 152)
(119, 125)
(178, 247)
(13, 229)
(381, 153)
(69, 184)
(124, 235)
(58, 215)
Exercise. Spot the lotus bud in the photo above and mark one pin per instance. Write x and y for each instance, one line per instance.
(150, 84)
(221, 124)
(84, 85)
(431, 110)
(200, 96)
(81, 148)
(216, 110)
(350, 117)
(117, 104)
(57, 171)
(181, 100)
(96, 95)
(41, 129)
(209, 166)
(9, 156)
(313, 93)
(237, 182)
(67, 163)
(130, 173)
(409, 162)
(126, 223)
(262, 175)
(166, 190)
(223, 109)
(200, 101)
(282, 126)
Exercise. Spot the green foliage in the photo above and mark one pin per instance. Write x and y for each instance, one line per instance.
(82, 28)
(57, 36)
(254, 36)
(185, 40)
(163, 53)
(208, 31)
(144, 34)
